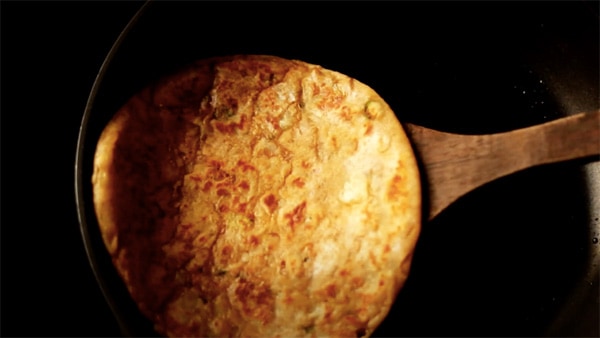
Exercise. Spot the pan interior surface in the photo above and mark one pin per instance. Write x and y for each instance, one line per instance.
(518, 256)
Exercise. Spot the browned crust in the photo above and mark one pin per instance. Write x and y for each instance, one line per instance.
(258, 196)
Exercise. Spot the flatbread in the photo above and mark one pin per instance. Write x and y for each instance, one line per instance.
(257, 196)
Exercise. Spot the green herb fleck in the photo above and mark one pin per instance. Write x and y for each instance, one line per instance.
(223, 112)
(372, 109)
(308, 328)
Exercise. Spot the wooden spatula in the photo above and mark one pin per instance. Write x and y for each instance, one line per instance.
(456, 164)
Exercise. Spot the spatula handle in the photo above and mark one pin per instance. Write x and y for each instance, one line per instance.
(456, 164)
(565, 139)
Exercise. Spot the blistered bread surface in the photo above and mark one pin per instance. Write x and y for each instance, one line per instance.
(257, 196)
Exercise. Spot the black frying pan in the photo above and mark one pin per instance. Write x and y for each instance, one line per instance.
(517, 257)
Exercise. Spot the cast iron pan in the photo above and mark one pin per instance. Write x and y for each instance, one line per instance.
(516, 257)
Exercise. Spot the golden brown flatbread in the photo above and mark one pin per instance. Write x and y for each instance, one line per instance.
(258, 196)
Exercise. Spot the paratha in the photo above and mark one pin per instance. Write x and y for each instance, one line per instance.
(257, 196)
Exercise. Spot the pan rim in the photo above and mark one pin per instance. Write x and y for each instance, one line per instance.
(80, 199)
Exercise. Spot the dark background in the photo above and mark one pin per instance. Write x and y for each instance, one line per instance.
(51, 53)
